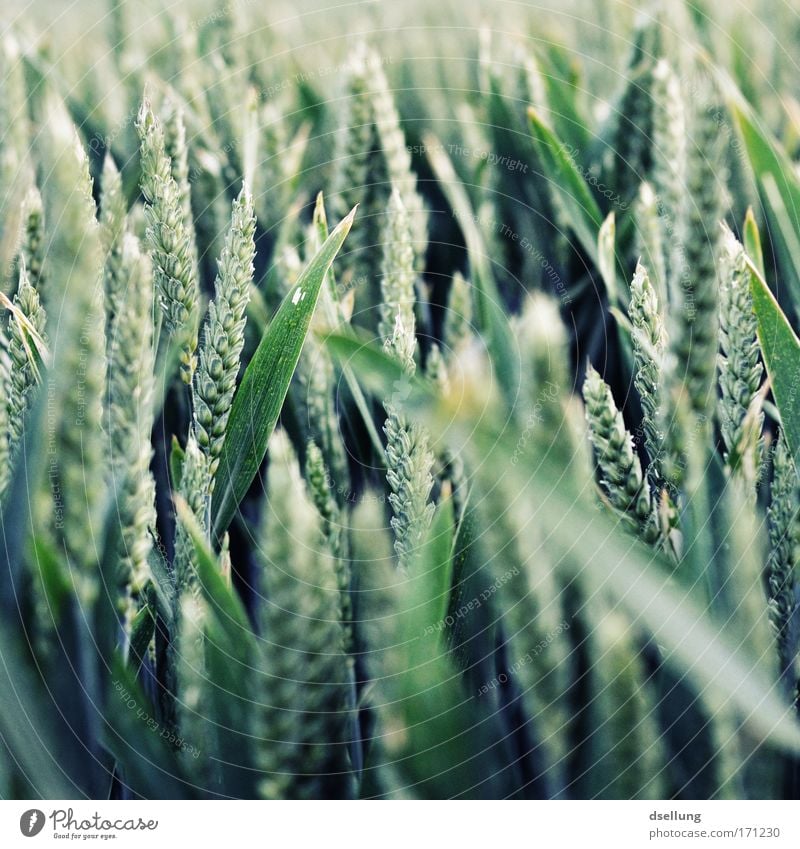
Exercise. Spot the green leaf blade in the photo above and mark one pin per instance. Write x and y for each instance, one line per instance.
(781, 350)
(258, 401)
(569, 184)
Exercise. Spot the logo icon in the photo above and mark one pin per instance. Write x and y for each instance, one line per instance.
(31, 822)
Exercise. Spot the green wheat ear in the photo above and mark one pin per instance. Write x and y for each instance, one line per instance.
(194, 488)
(169, 238)
(319, 486)
(223, 333)
(191, 677)
(649, 240)
(350, 182)
(302, 682)
(15, 130)
(5, 454)
(740, 370)
(23, 372)
(178, 152)
(32, 249)
(458, 318)
(397, 157)
(313, 386)
(130, 418)
(784, 536)
(436, 370)
(629, 755)
(77, 378)
(354, 138)
(620, 469)
(113, 220)
(409, 460)
(537, 622)
(694, 327)
(542, 339)
(397, 282)
(669, 167)
(546, 413)
(634, 132)
(649, 341)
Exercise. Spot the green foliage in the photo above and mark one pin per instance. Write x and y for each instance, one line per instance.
(781, 351)
(581, 208)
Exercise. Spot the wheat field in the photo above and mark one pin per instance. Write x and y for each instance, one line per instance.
(399, 401)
